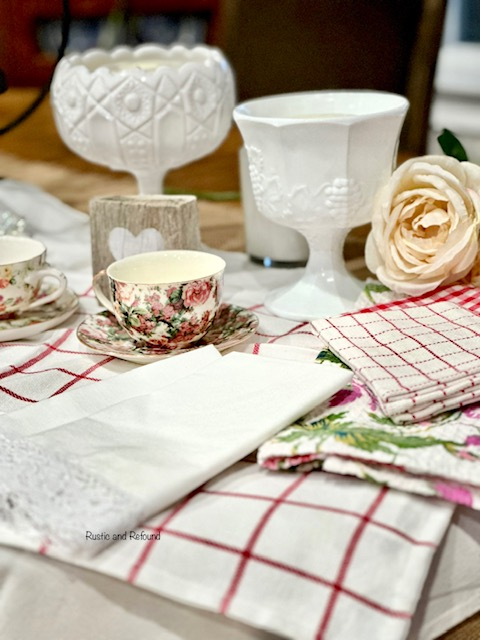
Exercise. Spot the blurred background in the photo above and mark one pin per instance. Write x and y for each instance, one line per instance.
(428, 50)
(456, 97)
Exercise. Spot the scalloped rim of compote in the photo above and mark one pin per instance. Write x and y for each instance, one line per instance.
(95, 60)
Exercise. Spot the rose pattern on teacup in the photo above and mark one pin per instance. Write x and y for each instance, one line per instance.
(6, 276)
(15, 289)
(167, 316)
(231, 326)
(24, 273)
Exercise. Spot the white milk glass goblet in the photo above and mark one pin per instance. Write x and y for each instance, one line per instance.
(316, 160)
(145, 109)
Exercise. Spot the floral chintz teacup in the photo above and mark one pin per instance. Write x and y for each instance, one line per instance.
(164, 298)
(23, 268)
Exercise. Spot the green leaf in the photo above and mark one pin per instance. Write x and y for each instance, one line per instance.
(133, 321)
(381, 419)
(175, 296)
(451, 146)
(289, 436)
(323, 422)
(328, 356)
(374, 287)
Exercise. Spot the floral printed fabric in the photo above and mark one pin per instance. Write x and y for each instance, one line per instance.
(350, 435)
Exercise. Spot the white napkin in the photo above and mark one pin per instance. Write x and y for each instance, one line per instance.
(107, 456)
(418, 361)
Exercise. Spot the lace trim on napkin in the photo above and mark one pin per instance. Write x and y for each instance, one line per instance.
(49, 498)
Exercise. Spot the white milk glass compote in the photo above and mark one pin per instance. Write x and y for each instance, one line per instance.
(145, 109)
(316, 160)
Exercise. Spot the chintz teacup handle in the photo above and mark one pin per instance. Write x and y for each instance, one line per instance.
(97, 288)
(47, 272)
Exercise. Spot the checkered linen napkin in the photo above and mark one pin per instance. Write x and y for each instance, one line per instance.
(350, 435)
(419, 361)
(303, 555)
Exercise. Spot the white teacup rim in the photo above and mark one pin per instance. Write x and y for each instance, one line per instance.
(19, 249)
(140, 267)
(294, 107)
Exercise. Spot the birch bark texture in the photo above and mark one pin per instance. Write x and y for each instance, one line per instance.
(125, 225)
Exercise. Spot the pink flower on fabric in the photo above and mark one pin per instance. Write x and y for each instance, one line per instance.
(345, 396)
(466, 456)
(372, 400)
(4, 282)
(473, 411)
(460, 495)
(271, 463)
(473, 440)
(277, 463)
(295, 461)
(196, 293)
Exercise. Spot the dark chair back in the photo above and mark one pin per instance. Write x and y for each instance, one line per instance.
(297, 45)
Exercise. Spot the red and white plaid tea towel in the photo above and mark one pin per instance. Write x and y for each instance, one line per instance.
(376, 296)
(305, 556)
(418, 360)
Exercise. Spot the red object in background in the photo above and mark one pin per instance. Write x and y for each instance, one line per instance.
(21, 59)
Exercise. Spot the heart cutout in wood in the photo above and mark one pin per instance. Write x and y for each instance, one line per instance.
(123, 243)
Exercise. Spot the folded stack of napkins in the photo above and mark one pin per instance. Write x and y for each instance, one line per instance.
(418, 361)
(104, 457)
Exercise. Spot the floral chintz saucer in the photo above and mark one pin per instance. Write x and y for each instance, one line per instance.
(102, 333)
(31, 322)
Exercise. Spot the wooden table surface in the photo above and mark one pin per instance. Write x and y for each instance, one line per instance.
(34, 152)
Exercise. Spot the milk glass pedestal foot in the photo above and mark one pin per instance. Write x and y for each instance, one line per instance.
(326, 288)
(144, 110)
(316, 160)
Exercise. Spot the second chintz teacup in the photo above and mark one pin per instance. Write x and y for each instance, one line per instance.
(23, 268)
(164, 298)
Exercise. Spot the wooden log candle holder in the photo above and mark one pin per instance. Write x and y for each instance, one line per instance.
(125, 225)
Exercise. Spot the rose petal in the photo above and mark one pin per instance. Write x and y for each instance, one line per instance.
(425, 223)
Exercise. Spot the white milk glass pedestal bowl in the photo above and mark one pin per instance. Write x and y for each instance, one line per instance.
(145, 109)
(316, 160)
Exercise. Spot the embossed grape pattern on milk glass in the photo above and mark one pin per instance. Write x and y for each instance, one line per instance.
(298, 206)
(144, 110)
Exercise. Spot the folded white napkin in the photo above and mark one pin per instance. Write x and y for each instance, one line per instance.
(418, 361)
(103, 458)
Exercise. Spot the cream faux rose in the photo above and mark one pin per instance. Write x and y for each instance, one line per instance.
(425, 225)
